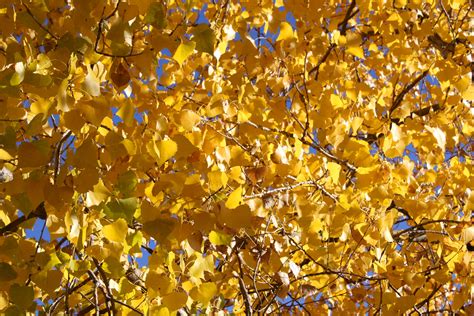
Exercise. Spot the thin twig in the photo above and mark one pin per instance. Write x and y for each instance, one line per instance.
(38, 22)
(243, 289)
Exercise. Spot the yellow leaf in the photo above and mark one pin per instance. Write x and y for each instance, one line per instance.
(220, 50)
(201, 265)
(334, 170)
(234, 199)
(3, 301)
(336, 101)
(19, 74)
(400, 3)
(439, 135)
(219, 239)
(204, 293)
(126, 113)
(86, 155)
(159, 311)
(167, 149)
(217, 180)
(159, 282)
(241, 217)
(189, 119)
(183, 51)
(119, 75)
(396, 132)
(356, 51)
(468, 94)
(463, 84)
(92, 83)
(387, 235)
(286, 32)
(117, 231)
(175, 300)
(99, 194)
(159, 228)
(346, 231)
(4, 155)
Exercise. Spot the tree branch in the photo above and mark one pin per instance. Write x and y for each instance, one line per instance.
(398, 100)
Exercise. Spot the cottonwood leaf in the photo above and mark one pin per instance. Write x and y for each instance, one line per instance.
(121, 208)
(286, 32)
(204, 38)
(184, 50)
(219, 239)
(21, 295)
(7, 273)
(234, 199)
(117, 231)
(175, 300)
(204, 292)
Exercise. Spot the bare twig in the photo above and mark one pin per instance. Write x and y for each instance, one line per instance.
(38, 22)
(243, 289)
(291, 187)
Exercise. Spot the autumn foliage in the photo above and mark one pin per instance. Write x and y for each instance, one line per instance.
(294, 156)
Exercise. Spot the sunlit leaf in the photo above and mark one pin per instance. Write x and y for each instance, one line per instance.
(183, 51)
(234, 199)
(219, 239)
(286, 32)
(117, 231)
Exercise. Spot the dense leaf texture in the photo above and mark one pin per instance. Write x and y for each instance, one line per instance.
(246, 156)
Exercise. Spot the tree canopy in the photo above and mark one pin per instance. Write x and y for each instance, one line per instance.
(295, 156)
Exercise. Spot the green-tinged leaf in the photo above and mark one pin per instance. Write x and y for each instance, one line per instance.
(127, 183)
(18, 75)
(204, 38)
(7, 273)
(121, 208)
(159, 228)
(21, 296)
(156, 15)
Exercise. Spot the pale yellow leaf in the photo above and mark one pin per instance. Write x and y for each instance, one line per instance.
(439, 135)
(91, 83)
